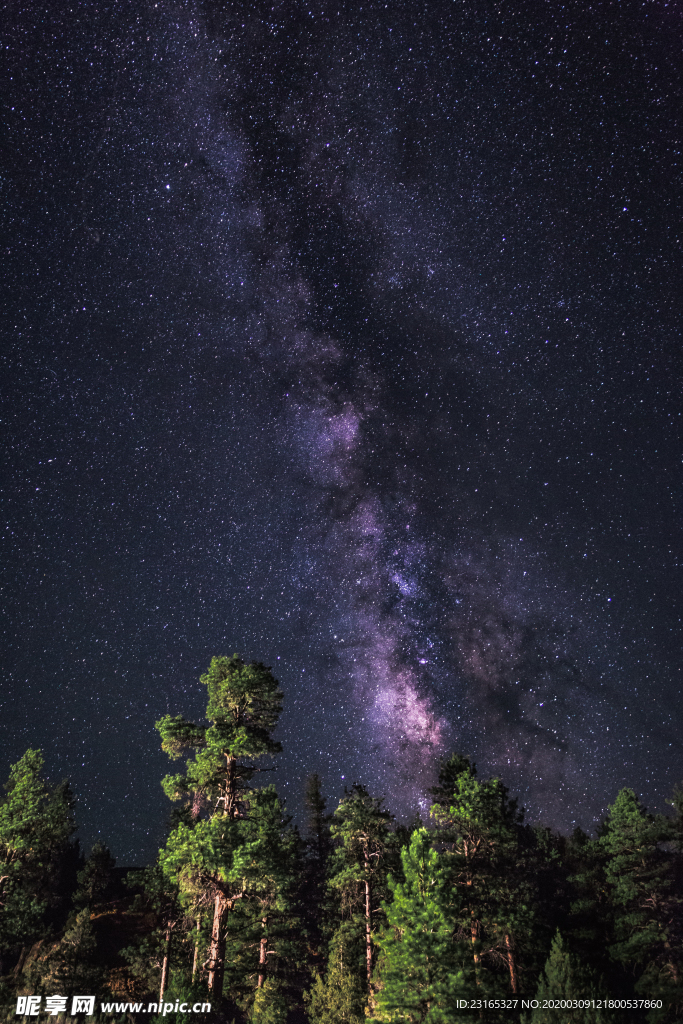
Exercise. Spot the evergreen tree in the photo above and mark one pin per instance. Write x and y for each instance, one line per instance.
(590, 917)
(264, 939)
(645, 907)
(94, 880)
(341, 996)
(244, 703)
(70, 966)
(319, 839)
(481, 828)
(424, 967)
(314, 894)
(36, 822)
(270, 1005)
(565, 977)
(360, 863)
(543, 869)
(155, 956)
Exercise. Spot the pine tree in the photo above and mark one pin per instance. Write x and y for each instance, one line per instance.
(156, 954)
(481, 827)
(341, 996)
(565, 977)
(264, 939)
(424, 968)
(590, 915)
(270, 1006)
(318, 846)
(646, 909)
(36, 822)
(359, 865)
(244, 703)
(94, 879)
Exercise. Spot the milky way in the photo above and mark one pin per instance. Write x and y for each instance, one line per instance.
(346, 340)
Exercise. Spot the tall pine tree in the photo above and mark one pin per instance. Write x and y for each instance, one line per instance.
(566, 977)
(424, 966)
(36, 823)
(364, 848)
(244, 704)
(646, 908)
(481, 828)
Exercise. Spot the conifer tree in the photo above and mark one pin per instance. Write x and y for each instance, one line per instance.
(565, 977)
(318, 838)
(363, 855)
(424, 967)
(264, 940)
(244, 703)
(341, 996)
(94, 879)
(318, 846)
(480, 826)
(270, 1005)
(645, 907)
(154, 958)
(590, 912)
(36, 822)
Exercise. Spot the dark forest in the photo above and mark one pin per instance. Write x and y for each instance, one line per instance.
(472, 914)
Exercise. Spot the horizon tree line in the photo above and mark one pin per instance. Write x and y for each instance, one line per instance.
(359, 919)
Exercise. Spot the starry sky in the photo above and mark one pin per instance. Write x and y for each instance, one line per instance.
(345, 336)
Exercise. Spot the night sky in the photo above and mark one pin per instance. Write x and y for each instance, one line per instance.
(346, 337)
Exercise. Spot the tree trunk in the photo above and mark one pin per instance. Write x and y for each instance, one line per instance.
(217, 947)
(263, 953)
(231, 807)
(511, 964)
(216, 960)
(368, 921)
(164, 965)
(20, 962)
(196, 951)
(473, 935)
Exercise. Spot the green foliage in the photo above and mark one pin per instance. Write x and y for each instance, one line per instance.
(229, 850)
(566, 977)
(451, 772)
(71, 965)
(157, 899)
(319, 840)
(341, 996)
(635, 872)
(36, 822)
(645, 908)
(244, 703)
(95, 878)
(270, 1005)
(363, 850)
(34, 819)
(466, 910)
(180, 990)
(264, 939)
(485, 856)
(424, 967)
(314, 899)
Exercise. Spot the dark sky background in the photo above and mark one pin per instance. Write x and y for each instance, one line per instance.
(346, 337)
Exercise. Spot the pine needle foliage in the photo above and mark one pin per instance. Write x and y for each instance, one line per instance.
(423, 968)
